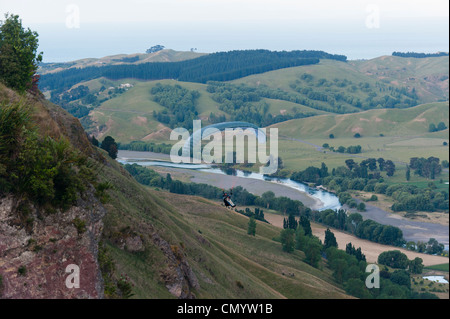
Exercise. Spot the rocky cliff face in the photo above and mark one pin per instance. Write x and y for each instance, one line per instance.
(34, 255)
(46, 252)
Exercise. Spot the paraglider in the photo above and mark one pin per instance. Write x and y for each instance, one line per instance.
(192, 150)
(250, 145)
(193, 141)
(227, 199)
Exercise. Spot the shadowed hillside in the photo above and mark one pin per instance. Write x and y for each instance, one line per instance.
(167, 245)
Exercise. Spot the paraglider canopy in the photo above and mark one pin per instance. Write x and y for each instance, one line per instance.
(207, 131)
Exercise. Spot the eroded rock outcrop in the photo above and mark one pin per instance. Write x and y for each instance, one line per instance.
(35, 252)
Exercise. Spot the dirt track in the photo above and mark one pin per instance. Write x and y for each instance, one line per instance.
(370, 249)
(412, 230)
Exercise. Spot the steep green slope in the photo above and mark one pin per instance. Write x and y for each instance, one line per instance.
(162, 245)
(211, 240)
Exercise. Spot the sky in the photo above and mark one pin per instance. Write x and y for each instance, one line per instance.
(361, 29)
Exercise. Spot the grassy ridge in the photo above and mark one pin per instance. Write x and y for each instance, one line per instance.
(389, 122)
(227, 262)
(405, 135)
(128, 116)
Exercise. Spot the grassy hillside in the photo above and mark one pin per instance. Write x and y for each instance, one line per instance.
(404, 135)
(227, 262)
(128, 116)
(428, 75)
(171, 246)
(413, 121)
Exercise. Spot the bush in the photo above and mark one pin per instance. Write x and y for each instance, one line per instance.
(394, 259)
(22, 271)
(42, 169)
(80, 225)
(287, 240)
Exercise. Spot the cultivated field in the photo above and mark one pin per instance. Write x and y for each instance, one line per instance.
(370, 249)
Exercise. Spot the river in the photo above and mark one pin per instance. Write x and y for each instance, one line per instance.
(311, 197)
(255, 183)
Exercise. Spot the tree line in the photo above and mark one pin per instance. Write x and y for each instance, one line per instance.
(366, 176)
(221, 66)
(142, 146)
(244, 103)
(349, 266)
(180, 104)
(419, 55)
(241, 196)
(344, 96)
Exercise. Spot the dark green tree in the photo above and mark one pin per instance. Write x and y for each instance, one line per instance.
(357, 288)
(110, 145)
(381, 162)
(251, 228)
(18, 54)
(394, 259)
(441, 126)
(389, 167)
(416, 265)
(432, 127)
(330, 239)
(350, 163)
(312, 250)
(291, 222)
(288, 240)
(304, 222)
(361, 207)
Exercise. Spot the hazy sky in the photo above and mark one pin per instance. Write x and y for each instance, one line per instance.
(76, 29)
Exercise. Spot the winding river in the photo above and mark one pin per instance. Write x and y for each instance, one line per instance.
(258, 184)
(254, 182)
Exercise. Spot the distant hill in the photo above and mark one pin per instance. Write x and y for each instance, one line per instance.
(413, 121)
(219, 66)
(428, 76)
(166, 55)
(329, 86)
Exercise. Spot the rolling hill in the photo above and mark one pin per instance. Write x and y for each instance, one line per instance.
(166, 55)
(330, 86)
(429, 76)
(392, 134)
(412, 121)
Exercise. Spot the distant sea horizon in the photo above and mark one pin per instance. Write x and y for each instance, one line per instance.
(352, 39)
